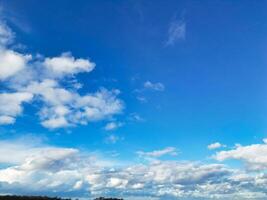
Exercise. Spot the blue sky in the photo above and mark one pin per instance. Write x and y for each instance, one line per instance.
(135, 93)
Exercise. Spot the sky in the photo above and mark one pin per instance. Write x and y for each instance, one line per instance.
(134, 99)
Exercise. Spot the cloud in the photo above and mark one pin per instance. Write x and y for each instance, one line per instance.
(176, 32)
(253, 155)
(11, 63)
(112, 139)
(41, 82)
(64, 108)
(158, 153)
(11, 105)
(154, 86)
(53, 170)
(67, 64)
(112, 126)
(136, 117)
(215, 145)
(6, 35)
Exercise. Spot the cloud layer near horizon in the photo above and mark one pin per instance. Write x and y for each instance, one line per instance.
(68, 171)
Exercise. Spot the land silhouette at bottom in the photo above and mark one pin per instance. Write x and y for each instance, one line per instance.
(15, 197)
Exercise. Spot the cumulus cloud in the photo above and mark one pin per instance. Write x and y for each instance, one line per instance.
(154, 86)
(11, 105)
(63, 108)
(253, 155)
(11, 63)
(42, 81)
(215, 145)
(158, 153)
(67, 64)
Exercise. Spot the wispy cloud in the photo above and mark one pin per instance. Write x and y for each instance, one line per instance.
(113, 126)
(112, 139)
(154, 86)
(176, 31)
(158, 153)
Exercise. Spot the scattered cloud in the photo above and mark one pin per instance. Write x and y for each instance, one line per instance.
(154, 86)
(176, 31)
(215, 145)
(253, 155)
(40, 80)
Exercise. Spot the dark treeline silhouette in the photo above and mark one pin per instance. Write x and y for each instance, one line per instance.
(14, 197)
(104, 198)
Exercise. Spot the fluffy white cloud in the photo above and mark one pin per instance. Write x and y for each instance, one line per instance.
(215, 145)
(63, 108)
(11, 62)
(42, 80)
(67, 64)
(158, 153)
(154, 86)
(11, 105)
(253, 155)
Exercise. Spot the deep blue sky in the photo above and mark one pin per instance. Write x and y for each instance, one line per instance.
(214, 73)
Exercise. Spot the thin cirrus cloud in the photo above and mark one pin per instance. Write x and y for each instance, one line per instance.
(113, 126)
(159, 153)
(176, 32)
(70, 171)
(36, 79)
(154, 86)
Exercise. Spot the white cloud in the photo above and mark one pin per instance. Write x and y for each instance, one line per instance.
(154, 86)
(215, 145)
(67, 64)
(6, 35)
(64, 108)
(42, 80)
(253, 155)
(136, 117)
(11, 63)
(4, 119)
(158, 153)
(176, 32)
(112, 126)
(11, 105)
(55, 170)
